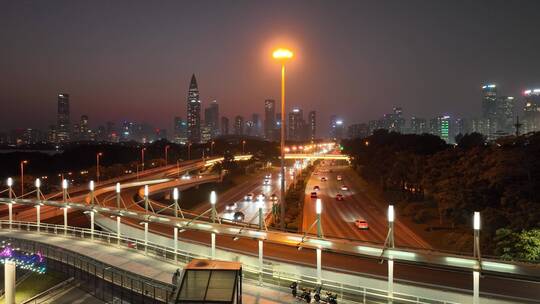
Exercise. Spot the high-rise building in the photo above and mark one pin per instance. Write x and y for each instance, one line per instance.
(489, 109)
(193, 112)
(505, 114)
(239, 125)
(180, 130)
(84, 131)
(440, 126)
(270, 119)
(63, 123)
(360, 130)
(211, 118)
(531, 111)
(336, 128)
(224, 125)
(257, 124)
(418, 126)
(312, 125)
(296, 125)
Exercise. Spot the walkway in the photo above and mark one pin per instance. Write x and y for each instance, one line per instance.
(141, 264)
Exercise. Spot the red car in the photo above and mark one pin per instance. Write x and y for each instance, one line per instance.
(313, 194)
(339, 197)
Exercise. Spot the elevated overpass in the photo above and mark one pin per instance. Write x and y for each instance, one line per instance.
(316, 156)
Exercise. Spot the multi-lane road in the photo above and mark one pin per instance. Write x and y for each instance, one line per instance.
(338, 217)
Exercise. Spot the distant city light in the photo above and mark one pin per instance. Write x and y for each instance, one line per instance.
(339, 122)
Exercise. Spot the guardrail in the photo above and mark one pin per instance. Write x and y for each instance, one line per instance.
(269, 276)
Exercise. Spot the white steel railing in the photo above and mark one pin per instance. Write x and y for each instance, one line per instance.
(268, 275)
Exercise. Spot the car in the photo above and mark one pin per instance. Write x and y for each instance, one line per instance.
(238, 216)
(339, 178)
(261, 196)
(361, 224)
(231, 207)
(266, 182)
(313, 194)
(323, 179)
(248, 197)
(339, 197)
(268, 176)
(273, 197)
(316, 188)
(344, 188)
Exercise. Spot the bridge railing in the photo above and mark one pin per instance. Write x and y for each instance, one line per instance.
(268, 276)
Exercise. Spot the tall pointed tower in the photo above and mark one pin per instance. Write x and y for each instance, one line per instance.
(193, 112)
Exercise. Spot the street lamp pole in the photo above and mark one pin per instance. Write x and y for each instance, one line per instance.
(477, 255)
(97, 166)
(10, 204)
(91, 187)
(189, 151)
(282, 55)
(23, 162)
(243, 147)
(212, 148)
(391, 244)
(142, 159)
(167, 154)
(118, 195)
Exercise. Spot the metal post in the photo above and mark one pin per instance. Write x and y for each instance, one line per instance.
(260, 262)
(318, 211)
(213, 249)
(175, 243)
(146, 198)
(118, 226)
(213, 200)
(9, 283)
(145, 237)
(92, 225)
(476, 287)
(10, 208)
(390, 278)
(118, 195)
(38, 217)
(65, 220)
(319, 265)
(282, 150)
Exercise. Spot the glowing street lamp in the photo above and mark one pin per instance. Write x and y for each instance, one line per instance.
(146, 198)
(23, 162)
(64, 189)
(176, 196)
(243, 147)
(10, 185)
(282, 55)
(91, 186)
(117, 195)
(213, 200)
(38, 185)
(478, 256)
(318, 211)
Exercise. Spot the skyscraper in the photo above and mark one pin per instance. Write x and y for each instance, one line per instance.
(224, 125)
(312, 125)
(505, 114)
(63, 123)
(531, 111)
(211, 118)
(489, 108)
(440, 126)
(239, 125)
(83, 128)
(257, 125)
(180, 130)
(269, 119)
(296, 124)
(336, 128)
(193, 112)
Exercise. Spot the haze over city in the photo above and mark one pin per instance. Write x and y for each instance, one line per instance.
(128, 60)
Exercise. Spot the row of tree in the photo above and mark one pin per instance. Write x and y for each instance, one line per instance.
(501, 179)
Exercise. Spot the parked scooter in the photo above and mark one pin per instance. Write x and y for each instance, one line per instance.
(328, 298)
(305, 294)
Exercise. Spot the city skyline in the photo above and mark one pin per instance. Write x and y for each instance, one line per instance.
(130, 92)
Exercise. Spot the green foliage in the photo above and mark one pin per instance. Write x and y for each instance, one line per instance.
(524, 245)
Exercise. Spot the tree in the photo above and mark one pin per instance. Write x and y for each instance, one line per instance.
(470, 140)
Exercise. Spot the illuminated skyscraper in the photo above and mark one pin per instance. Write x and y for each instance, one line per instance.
(296, 125)
(63, 123)
(440, 126)
(336, 128)
(312, 125)
(270, 119)
(489, 109)
(193, 112)
(239, 125)
(224, 125)
(531, 111)
(180, 130)
(211, 118)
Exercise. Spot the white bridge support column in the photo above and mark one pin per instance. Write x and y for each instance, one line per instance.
(92, 225)
(9, 282)
(176, 244)
(65, 220)
(261, 265)
(10, 207)
(213, 248)
(145, 237)
(476, 287)
(38, 217)
(390, 279)
(319, 265)
(118, 226)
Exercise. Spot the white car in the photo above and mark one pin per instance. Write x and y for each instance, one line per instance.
(248, 197)
(266, 182)
(339, 178)
(231, 207)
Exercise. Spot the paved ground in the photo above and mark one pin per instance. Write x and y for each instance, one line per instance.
(143, 265)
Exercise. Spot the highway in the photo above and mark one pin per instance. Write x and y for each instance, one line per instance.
(338, 217)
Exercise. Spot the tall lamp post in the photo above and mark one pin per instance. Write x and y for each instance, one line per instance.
(282, 55)
(142, 159)
(212, 148)
(189, 151)
(243, 147)
(98, 155)
(478, 256)
(23, 162)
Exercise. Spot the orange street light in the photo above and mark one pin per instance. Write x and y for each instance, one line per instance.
(282, 54)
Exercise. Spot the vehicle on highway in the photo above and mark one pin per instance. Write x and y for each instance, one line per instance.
(231, 207)
(273, 197)
(316, 188)
(238, 216)
(266, 182)
(323, 179)
(268, 176)
(361, 224)
(261, 196)
(344, 188)
(339, 197)
(248, 197)
(313, 194)
(339, 178)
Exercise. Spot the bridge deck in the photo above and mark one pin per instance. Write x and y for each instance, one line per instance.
(140, 264)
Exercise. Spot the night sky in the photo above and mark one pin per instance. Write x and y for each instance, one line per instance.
(132, 60)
